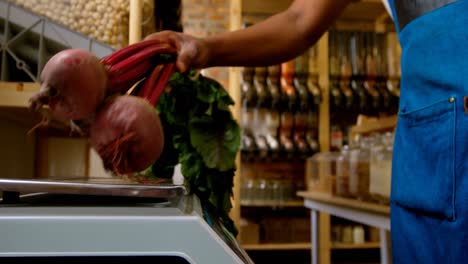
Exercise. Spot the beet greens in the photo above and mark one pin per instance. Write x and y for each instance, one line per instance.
(203, 137)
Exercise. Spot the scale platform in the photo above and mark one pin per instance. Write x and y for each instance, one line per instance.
(108, 221)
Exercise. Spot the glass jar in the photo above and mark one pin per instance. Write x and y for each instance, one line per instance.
(374, 167)
(359, 170)
(342, 172)
(381, 185)
(321, 172)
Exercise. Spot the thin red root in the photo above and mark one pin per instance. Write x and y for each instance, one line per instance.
(115, 153)
(43, 123)
(39, 99)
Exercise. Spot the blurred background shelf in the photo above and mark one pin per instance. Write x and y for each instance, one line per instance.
(273, 204)
(278, 246)
(367, 245)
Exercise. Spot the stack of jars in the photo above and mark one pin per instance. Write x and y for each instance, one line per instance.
(363, 169)
(272, 191)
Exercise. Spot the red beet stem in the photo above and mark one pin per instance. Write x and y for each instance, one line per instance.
(161, 84)
(136, 58)
(150, 82)
(124, 53)
(123, 82)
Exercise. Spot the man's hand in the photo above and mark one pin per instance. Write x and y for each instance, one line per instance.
(192, 53)
(274, 40)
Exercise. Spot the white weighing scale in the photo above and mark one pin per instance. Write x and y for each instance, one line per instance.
(108, 221)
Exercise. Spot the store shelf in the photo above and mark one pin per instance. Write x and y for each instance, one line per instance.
(278, 246)
(14, 94)
(14, 97)
(346, 202)
(274, 204)
(367, 245)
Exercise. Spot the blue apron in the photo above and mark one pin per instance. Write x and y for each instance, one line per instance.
(429, 200)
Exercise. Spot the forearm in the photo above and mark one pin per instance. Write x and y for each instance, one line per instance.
(277, 39)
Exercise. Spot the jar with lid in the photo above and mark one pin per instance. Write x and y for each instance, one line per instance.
(380, 186)
(321, 172)
(359, 170)
(342, 172)
(375, 173)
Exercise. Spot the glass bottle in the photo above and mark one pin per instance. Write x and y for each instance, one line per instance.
(260, 110)
(371, 74)
(249, 97)
(315, 98)
(302, 106)
(336, 97)
(393, 70)
(345, 71)
(382, 162)
(315, 92)
(358, 72)
(336, 138)
(381, 79)
(287, 110)
(273, 114)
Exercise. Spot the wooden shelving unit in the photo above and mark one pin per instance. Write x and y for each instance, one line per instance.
(359, 15)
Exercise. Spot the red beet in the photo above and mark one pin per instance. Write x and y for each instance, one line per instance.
(73, 85)
(127, 134)
(75, 82)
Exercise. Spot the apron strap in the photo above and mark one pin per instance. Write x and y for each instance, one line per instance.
(408, 10)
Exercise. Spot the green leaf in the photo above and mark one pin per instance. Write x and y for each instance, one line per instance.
(191, 166)
(207, 93)
(217, 142)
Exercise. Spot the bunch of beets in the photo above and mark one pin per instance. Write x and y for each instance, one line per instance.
(111, 100)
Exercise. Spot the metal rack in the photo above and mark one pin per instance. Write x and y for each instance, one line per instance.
(29, 40)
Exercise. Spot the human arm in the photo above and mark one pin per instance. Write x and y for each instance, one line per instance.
(277, 39)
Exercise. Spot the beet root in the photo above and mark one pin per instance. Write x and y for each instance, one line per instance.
(127, 134)
(73, 84)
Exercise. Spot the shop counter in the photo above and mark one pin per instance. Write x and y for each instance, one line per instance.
(371, 214)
